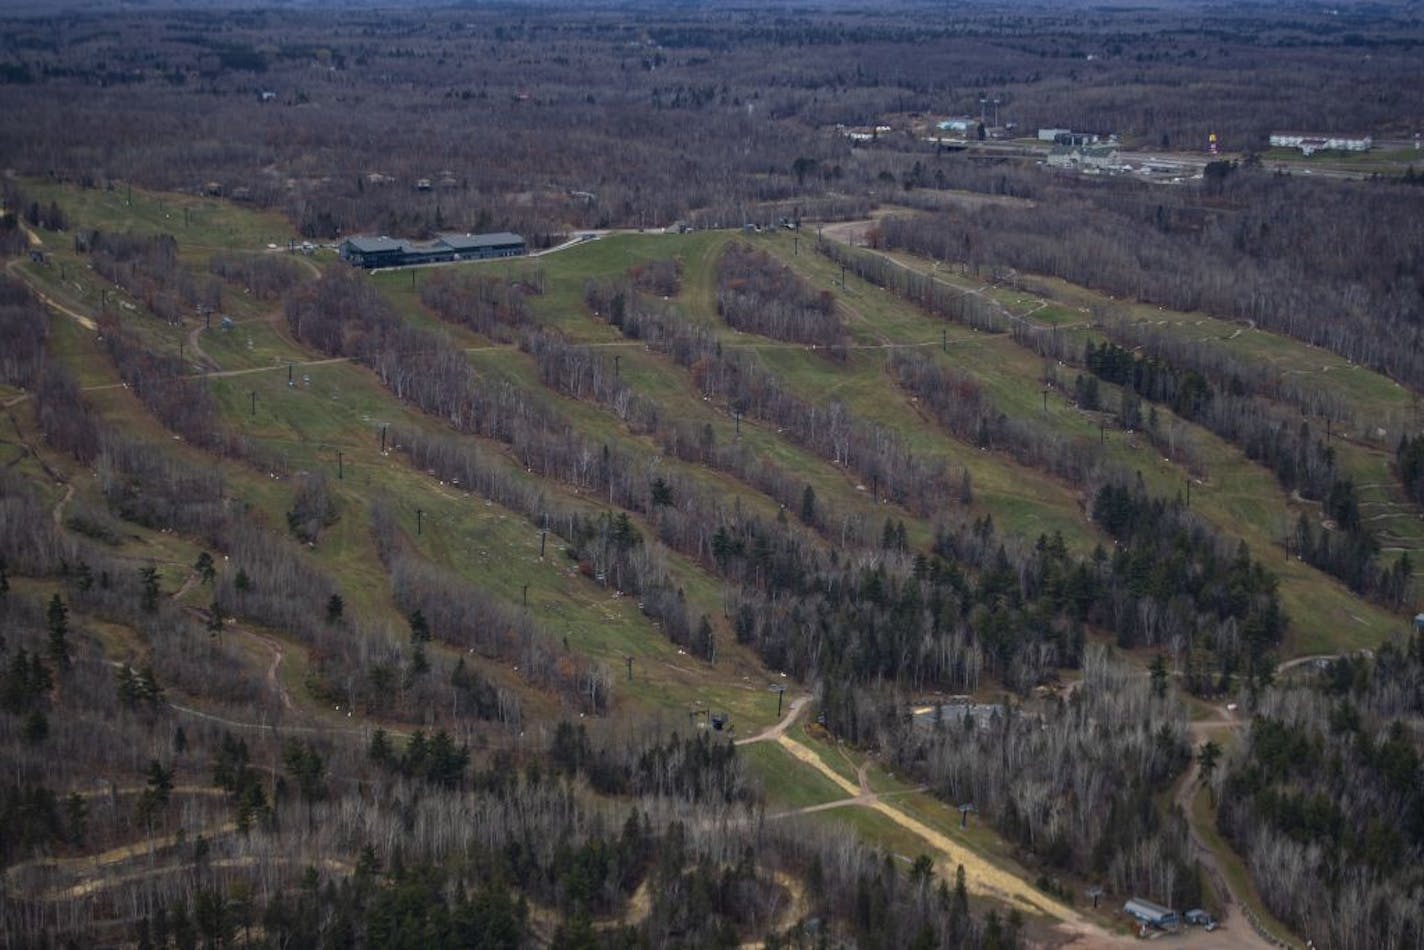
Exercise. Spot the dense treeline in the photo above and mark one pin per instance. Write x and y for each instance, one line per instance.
(712, 123)
(584, 372)
(147, 266)
(24, 327)
(30, 542)
(1276, 438)
(698, 768)
(1079, 807)
(542, 868)
(337, 838)
(1271, 436)
(756, 293)
(1168, 555)
(265, 276)
(179, 401)
(1326, 799)
(959, 404)
(1231, 375)
(64, 418)
(1409, 466)
(493, 307)
(798, 607)
(443, 606)
(882, 459)
(1260, 248)
(938, 298)
(66, 720)
(661, 277)
(267, 580)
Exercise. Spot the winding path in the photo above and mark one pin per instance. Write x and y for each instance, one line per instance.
(981, 876)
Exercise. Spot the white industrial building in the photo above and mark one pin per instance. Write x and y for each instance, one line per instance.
(1099, 157)
(1311, 142)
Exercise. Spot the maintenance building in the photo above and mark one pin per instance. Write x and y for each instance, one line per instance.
(1154, 915)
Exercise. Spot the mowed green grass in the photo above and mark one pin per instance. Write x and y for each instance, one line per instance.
(495, 549)
(198, 222)
(327, 419)
(787, 782)
(1013, 494)
(1241, 498)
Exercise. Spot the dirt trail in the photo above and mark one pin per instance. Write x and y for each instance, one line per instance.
(778, 730)
(1236, 929)
(58, 512)
(1289, 665)
(118, 855)
(274, 682)
(86, 322)
(195, 345)
(981, 876)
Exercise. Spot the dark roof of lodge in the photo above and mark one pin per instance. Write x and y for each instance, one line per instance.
(465, 242)
(453, 242)
(372, 245)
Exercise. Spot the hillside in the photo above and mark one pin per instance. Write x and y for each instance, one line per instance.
(324, 588)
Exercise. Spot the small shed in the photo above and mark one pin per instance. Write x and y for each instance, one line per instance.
(1154, 915)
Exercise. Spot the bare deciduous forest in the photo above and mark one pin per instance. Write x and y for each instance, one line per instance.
(869, 517)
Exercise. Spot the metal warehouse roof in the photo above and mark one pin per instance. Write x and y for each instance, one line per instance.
(1141, 907)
